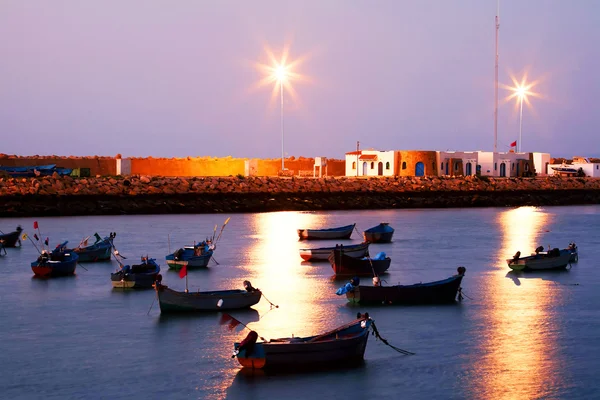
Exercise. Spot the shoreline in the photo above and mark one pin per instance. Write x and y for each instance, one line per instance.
(66, 196)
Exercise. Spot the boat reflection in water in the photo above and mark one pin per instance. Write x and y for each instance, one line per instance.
(517, 338)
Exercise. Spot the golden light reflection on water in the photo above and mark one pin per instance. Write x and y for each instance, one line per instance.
(516, 348)
(276, 268)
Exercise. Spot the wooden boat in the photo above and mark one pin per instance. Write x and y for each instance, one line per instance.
(99, 251)
(438, 292)
(59, 262)
(342, 346)
(381, 233)
(322, 253)
(553, 259)
(139, 276)
(343, 264)
(193, 257)
(342, 232)
(12, 238)
(171, 301)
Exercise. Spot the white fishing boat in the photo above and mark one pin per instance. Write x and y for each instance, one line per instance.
(553, 259)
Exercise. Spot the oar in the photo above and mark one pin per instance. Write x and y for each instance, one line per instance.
(214, 233)
(223, 227)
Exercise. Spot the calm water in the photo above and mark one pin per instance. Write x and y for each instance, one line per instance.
(515, 337)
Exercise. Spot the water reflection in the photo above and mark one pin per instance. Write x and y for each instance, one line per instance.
(517, 342)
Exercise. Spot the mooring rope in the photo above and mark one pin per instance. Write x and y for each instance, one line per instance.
(378, 336)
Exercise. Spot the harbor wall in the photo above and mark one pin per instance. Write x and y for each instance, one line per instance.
(58, 196)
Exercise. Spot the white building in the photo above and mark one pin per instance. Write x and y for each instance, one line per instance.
(370, 163)
(589, 168)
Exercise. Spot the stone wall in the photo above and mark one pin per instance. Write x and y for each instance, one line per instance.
(144, 194)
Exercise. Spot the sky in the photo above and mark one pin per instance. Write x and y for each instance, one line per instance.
(180, 78)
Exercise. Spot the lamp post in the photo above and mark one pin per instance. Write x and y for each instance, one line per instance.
(521, 95)
(281, 75)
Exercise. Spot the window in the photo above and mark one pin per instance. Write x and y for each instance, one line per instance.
(495, 166)
(433, 166)
(596, 167)
(512, 166)
(403, 164)
(387, 165)
(354, 165)
(442, 166)
(372, 165)
(456, 165)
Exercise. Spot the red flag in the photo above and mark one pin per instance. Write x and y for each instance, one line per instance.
(228, 320)
(47, 241)
(513, 144)
(183, 272)
(35, 225)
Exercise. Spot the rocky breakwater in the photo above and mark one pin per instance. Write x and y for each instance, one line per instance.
(159, 195)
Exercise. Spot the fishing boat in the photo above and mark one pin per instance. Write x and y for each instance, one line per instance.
(192, 257)
(99, 251)
(342, 232)
(438, 292)
(565, 169)
(343, 346)
(139, 276)
(12, 238)
(381, 233)
(59, 262)
(171, 301)
(343, 264)
(322, 253)
(553, 259)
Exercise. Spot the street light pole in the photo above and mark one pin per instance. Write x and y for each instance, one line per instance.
(521, 126)
(282, 154)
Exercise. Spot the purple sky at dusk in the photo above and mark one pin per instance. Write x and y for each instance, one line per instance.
(177, 78)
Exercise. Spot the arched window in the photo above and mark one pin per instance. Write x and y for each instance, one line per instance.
(433, 166)
(387, 165)
(495, 166)
(456, 165)
(372, 165)
(526, 166)
(354, 165)
(442, 166)
(403, 164)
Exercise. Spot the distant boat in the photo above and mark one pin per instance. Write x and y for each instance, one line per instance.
(59, 262)
(342, 232)
(322, 253)
(171, 301)
(565, 169)
(139, 276)
(10, 239)
(99, 251)
(381, 233)
(553, 259)
(438, 292)
(193, 257)
(342, 264)
(342, 346)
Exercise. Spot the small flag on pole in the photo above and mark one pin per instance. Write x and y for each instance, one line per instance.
(513, 144)
(46, 241)
(35, 225)
(183, 272)
(24, 237)
(228, 320)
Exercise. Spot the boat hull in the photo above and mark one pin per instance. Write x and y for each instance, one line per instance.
(50, 269)
(141, 276)
(189, 261)
(540, 262)
(345, 348)
(438, 292)
(344, 265)
(101, 254)
(342, 232)
(381, 233)
(322, 253)
(171, 301)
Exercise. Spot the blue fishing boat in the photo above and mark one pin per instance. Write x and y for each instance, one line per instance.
(342, 346)
(59, 262)
(381, 233)
(139, 276)
(192, 257)
(99, 251)
(341, 232)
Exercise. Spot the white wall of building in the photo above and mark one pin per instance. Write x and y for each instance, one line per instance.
(540, 163)
(469, 161)
(370, 163)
